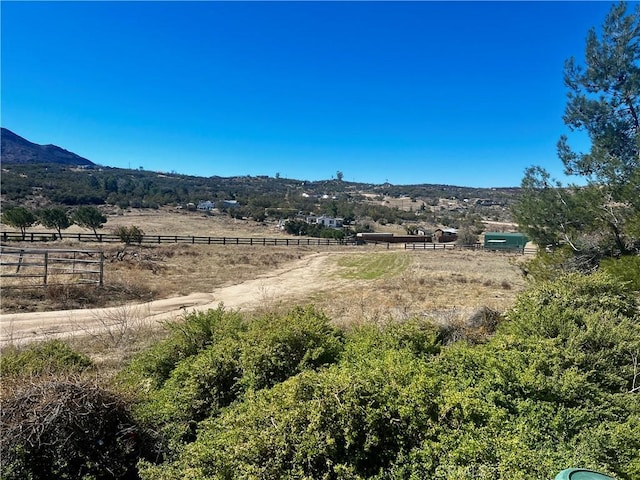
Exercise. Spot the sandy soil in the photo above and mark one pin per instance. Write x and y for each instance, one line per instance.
(295, 280)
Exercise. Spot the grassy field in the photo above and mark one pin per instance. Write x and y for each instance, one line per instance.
(369, 267)
(446, 285)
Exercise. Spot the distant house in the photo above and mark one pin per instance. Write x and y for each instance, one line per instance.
(206, 206)
(330, 222)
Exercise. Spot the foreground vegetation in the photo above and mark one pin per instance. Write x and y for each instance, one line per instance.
(553, 383)
(289, 395)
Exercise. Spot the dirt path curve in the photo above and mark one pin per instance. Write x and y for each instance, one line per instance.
(295, 280)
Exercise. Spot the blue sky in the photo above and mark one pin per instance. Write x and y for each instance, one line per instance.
(459, 93)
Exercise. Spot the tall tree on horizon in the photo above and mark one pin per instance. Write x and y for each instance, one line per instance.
(603, 100)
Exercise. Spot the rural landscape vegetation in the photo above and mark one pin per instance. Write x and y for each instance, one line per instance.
(349, 356)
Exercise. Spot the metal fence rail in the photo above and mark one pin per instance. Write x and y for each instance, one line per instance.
(20, 264)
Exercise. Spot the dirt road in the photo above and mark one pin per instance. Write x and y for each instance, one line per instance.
(295, 280)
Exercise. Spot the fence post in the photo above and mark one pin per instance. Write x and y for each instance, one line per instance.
(101, 269)
(20, 261)
(46, 267)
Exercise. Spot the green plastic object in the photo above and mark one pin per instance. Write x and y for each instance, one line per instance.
(581, 474)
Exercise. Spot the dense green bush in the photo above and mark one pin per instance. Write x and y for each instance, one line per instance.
(594, 317)
(149, 370)
(550, 390)
(276, 347)
(341, 422)
(419, 337)
(52, 357)
(625, 268)
(129, 235)
(186, 384)
(290, 396)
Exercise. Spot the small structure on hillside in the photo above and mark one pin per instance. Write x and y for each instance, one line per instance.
(505, 241)
(324, 220)
(445, 235)
(205, 205)
(230, 204)
(330, 222)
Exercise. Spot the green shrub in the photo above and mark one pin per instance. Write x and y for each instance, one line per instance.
(129, 235)
(151, 368)
(419, 337)
(340, 422)
(196, 382)
(593, 316)
(290, 397)
(625, 269)
(546, 266)
(276, 347)
(198, 387)
(51, 357)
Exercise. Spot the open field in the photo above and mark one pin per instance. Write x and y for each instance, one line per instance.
(352, 284)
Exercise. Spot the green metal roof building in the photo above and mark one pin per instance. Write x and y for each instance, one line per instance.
(504, 241)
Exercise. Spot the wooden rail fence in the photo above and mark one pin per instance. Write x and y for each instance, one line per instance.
(159, 239)
(28, 267)
(35, 237)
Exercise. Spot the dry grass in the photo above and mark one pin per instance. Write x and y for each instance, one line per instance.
(440, 285)
(407, 283)
(143, 273)
(170, 221)
(353, 285)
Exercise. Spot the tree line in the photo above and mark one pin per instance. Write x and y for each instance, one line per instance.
(55, 218)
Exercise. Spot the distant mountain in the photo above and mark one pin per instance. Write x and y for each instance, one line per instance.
(16, 149)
